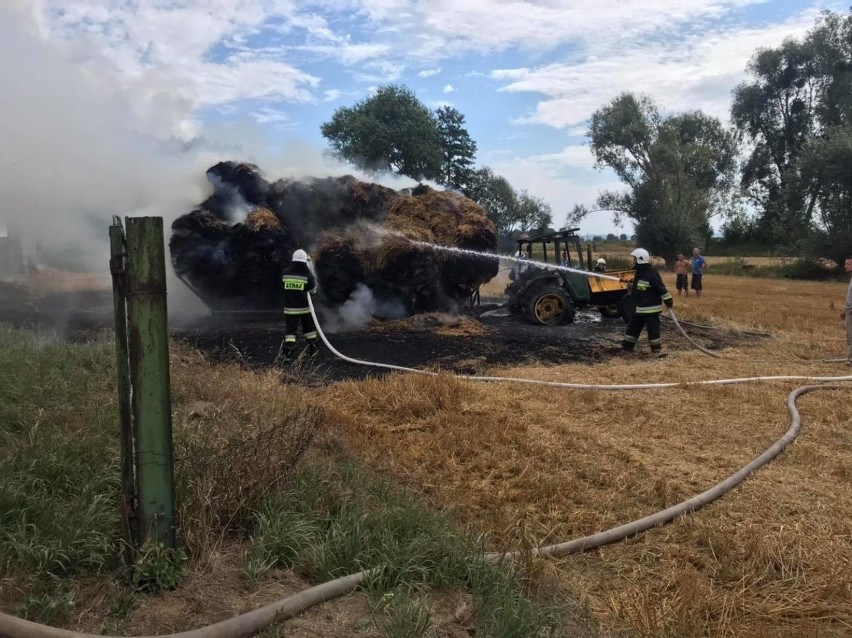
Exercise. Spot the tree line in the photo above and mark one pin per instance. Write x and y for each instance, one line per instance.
(394, 131)
(780, 174)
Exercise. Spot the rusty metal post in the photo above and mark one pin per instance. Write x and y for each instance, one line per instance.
(588, 265)
(117, 267)
(149, 376)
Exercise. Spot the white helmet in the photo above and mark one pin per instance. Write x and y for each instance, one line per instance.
(301, 256)
(601, 261)
(642, 256)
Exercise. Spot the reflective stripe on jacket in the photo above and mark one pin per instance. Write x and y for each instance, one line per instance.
(648, 290)
(297, 281)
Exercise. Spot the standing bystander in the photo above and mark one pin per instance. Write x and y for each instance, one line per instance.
(698, 266)
(681, 272)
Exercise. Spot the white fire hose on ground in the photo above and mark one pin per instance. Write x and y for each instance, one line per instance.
(253, 621)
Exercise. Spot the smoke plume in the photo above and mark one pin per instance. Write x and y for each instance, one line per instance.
(361, 306)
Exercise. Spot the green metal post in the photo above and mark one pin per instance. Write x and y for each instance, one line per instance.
(117, 266)
(149, 375)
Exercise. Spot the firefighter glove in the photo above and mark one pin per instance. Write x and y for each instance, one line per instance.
(669, 303)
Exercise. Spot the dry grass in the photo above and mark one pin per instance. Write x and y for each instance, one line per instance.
(238, 437)
(774, 558)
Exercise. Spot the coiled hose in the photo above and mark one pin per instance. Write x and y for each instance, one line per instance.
(253, 621)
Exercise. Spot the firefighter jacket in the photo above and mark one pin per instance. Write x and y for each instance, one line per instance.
(649, 292)
(298, 281)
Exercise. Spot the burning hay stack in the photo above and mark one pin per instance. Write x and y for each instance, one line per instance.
(422, 277)
(359, 233)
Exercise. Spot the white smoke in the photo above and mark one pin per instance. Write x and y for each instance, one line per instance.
(83, 142)
(355, 313)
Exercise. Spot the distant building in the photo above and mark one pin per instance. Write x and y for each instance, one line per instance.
(11, 252)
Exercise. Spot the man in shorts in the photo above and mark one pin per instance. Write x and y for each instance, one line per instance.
(698, 266)
(682, 267)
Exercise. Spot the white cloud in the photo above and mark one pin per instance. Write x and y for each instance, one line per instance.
(545, 178)
(280, 119)
(428, 73)
(699, 72)
(330, 95)
(576, 156)
(446, 28)
(437, 104)
(448, 88)
(161, 51)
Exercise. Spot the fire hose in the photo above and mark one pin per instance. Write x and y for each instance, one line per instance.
(253, 621)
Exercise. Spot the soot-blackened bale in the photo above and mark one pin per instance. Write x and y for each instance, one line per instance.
(231, 267)
(359, 233)
(235, 185)
(338, 266)
(310, 206)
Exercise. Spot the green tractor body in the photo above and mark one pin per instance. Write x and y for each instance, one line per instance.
(550, 296)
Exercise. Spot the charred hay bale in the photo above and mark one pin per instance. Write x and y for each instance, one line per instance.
(338, 265)
(247, 179)
(264, 250)
(409, 272)
(308, 207)
(235, 186)
(196, 236)
(390, 265)
(231, 267)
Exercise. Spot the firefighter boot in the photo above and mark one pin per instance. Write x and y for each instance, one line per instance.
(286, 353)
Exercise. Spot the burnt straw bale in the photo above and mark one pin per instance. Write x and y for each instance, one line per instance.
(357, 232)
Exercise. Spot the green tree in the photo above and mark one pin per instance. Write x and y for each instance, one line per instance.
(826, 168)
(496, 195)
(389, 131)
(775, 114)
(457, 147)
(799, 94)
(675, 168)
(533, 213)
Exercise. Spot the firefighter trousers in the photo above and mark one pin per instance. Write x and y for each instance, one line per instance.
(634, 329)
(292, 323)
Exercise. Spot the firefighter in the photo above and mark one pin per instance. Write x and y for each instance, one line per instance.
(298, 281)
(649, 293)
(600, 265)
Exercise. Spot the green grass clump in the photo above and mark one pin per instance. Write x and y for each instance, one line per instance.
(335, 520)
(59, 471)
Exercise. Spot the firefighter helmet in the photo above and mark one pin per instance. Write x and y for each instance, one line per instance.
(601, 261)
(642, 256)
(300, 256)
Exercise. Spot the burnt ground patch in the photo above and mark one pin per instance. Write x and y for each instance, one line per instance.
(469, 347)
(500, 340)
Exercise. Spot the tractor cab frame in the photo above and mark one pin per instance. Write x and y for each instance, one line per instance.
(548, 295)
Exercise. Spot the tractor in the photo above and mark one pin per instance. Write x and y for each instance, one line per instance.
(549, 296)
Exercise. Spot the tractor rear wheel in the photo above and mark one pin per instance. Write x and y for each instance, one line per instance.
(627, 308)
(550, 306)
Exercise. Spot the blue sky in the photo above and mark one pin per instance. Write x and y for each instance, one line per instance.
(265, 74)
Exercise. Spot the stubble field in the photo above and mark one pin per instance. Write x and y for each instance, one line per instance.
(528, 466)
